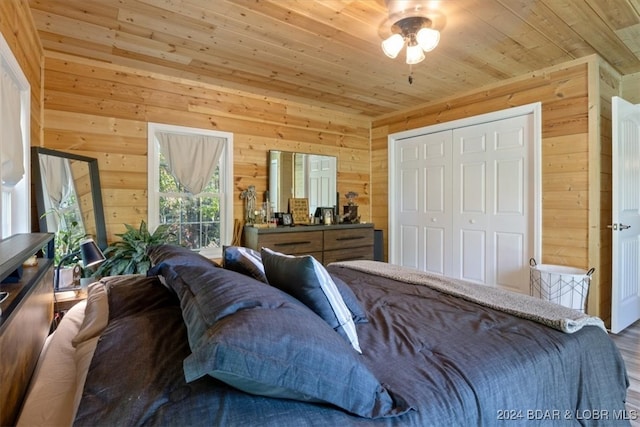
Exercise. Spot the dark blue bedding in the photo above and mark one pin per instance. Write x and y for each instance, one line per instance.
(453, 361)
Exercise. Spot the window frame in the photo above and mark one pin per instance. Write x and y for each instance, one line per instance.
(226, 180)
(19, 197)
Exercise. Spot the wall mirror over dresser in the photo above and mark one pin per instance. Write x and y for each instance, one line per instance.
(311, 177)
(68, 194)
(302, 176)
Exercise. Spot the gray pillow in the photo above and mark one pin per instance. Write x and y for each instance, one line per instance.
(208, 294)
(306, 279)
(289, 352)
(358, 314)
(263, 341)
(177, 255)
(249, 261)
(243, 260)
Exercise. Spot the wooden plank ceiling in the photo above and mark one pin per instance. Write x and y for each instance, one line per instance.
(327, 52)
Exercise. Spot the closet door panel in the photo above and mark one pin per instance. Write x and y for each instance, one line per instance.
(511, 223)
(435, 245)
(409, 246)
(473, 259)
(411, 183)
(469, 210)
(435, 210)
(436, 188)
(437, 202)
(424, 194)
(473, 184)
(495, 198)
(509, 182)
(509, 262)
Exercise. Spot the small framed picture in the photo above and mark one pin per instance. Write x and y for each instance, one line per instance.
(287, 219)
(326, 213)
(299, 210)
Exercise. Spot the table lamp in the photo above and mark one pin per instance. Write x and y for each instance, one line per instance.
(90, 254)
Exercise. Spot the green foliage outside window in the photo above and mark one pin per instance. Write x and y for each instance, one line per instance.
(195, 221)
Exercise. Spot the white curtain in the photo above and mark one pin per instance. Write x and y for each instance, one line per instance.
(56, 176)
(11, 135)
(57, 183)
(192, 159)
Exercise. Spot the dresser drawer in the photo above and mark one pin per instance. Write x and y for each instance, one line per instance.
(325, 243)
(348, 238)
(350, 254)
(293, 243)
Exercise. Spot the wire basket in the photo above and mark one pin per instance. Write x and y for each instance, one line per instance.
(567, 286)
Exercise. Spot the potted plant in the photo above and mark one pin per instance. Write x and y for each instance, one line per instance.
(129, 255)
(68, 235)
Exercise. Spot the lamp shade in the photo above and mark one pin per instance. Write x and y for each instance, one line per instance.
(393, 45)
(428, 39)
(90, 253)
(414, 54)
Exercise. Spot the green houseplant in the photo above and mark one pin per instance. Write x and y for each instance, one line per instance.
(68, 236)
(129, 255)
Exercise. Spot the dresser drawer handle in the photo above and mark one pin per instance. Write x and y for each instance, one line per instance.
(350, 238)
(291, 243)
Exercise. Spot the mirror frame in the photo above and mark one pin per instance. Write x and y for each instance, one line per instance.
(96, 190)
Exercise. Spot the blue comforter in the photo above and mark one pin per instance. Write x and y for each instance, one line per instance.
(455, 362)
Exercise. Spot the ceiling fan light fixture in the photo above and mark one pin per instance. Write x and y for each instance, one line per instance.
(428, 38)
(415, 54)
(393, 45)
(415, 24)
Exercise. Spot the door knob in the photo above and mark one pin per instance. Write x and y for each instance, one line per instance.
(616, 227)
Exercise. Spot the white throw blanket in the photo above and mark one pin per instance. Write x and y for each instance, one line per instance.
(525, 306)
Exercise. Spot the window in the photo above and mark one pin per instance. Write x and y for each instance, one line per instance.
(191, 185)
(15, 93)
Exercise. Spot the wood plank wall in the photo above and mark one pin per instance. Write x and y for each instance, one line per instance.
(100, 110)
(19, 31)
(566, 187)
(631, 88)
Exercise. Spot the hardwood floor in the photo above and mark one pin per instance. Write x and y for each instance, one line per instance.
(629, 344)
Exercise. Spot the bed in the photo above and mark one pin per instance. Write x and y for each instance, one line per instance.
(275, 340)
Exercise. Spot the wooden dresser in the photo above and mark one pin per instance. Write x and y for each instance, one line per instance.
(327, 243)
(26, 316)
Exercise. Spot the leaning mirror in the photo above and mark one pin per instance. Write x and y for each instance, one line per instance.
(68, 194)
(302, 175)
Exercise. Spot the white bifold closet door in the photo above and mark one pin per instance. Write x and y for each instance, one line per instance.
(466, 202)
(424, 217)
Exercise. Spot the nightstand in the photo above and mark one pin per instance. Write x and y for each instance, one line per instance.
(67, 299)
(63, 301)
